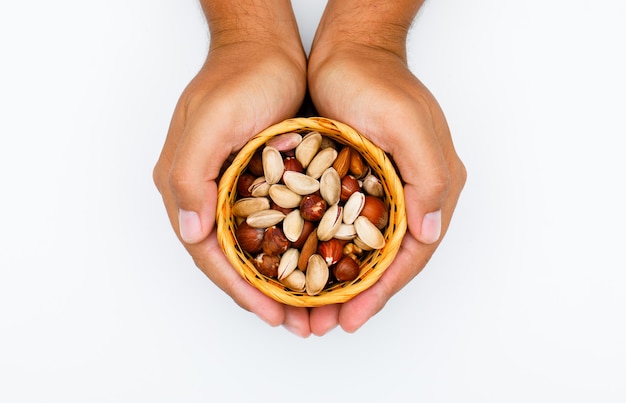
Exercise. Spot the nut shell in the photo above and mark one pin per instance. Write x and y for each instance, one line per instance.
(347, 269)
(308, 148)
(330, 186)
(249, 205)
(273, 165)
(331, 251)
(243, 183)
(317, 274)
(274, 241)
(267, 265)
(259, 187)
(349, 185)
(353, 207)
(307, 228)
(265, 218)
(300, 183)
(312, 207)
(368, 233)
(376, 211)
(296, 281)
(284, 197)
(330, 222)
(288, 263)
(293, 224)
(373, 186)
(321, 162)
(249, 238)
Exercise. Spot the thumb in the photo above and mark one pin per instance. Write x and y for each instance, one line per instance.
(193, 178)
(423, 168)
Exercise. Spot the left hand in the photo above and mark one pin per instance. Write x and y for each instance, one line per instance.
(372, 90)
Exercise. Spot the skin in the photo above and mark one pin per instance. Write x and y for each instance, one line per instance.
(256, 75)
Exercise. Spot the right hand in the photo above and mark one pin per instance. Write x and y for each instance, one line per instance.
(242, 88)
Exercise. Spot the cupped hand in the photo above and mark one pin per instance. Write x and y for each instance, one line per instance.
(242, 88)
(373, 90)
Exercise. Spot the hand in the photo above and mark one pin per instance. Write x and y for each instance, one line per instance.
(244, 87)
(371, 89)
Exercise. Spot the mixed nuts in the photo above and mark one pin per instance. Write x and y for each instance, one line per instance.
(308, 210)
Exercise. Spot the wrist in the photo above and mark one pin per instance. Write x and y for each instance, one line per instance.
(253, 21)
(376, 24)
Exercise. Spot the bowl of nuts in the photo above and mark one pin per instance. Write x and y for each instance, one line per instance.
(310, 212)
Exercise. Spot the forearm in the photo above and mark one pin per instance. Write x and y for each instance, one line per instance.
(263, 21)
(374, 23)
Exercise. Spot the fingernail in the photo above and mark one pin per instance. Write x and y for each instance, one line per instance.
(431, 227)
(189, 226)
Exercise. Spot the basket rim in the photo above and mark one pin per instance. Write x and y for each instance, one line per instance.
(372, 268)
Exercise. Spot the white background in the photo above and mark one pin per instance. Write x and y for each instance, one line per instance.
(524, 300)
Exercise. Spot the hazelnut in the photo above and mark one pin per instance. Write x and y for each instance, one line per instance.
(342, 163)
(244, 183)
(292, 164)
(376, 211)
(312, 207)
(349, 185)
(331, 251)
(274, 241)
(357, 167)
(249, 238)
(347, 269)
(306, 231)
(255, 166)
(267, 265)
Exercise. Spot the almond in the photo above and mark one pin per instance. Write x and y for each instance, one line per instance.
(342, 163)
(308, 249)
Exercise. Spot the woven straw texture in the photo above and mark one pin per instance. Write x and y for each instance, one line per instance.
(373, 263)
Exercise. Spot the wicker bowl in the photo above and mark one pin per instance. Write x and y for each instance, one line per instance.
(373, 263)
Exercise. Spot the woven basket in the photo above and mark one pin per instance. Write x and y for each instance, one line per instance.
(373, 264)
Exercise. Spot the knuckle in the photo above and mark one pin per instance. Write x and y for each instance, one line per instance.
(439, 183)
(458, 173)
(179, 179)
(159, 177)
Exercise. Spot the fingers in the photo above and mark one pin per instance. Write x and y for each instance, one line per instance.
(408, 263)
(297, 321)
(195, 168)
(418, 153)
(209, 257)
(324, 318)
